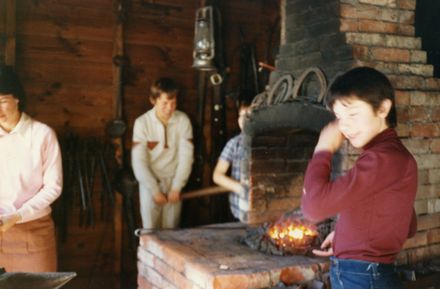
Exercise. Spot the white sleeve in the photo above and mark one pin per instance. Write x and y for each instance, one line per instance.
(52, 178)
(140, 160)
(185, 155)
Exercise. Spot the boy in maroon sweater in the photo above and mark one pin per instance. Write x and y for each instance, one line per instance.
(374, 199)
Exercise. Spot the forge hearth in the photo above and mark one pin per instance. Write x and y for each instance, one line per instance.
(290, 235)
(284, 239)
(215, 257)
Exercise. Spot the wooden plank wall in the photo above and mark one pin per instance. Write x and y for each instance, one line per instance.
(2, 31)
(64, 57)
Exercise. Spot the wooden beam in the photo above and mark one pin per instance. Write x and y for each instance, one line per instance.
(118, 52)
(10, 32)
(205, 192)
(117, 230)
(118, 49)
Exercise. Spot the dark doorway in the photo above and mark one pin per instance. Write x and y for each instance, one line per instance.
(427, 25)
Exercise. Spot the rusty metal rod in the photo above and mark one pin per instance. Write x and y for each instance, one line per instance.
(266, 66)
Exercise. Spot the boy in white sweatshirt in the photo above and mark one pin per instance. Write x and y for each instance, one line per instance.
(162, 157)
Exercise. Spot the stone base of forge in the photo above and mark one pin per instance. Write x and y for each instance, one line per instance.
(213, 257)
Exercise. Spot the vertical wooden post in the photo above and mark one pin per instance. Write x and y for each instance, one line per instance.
(10, 32)
(118, 52)
(117, 226)
(118, 59)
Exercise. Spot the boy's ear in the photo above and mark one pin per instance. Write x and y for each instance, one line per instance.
(384, 108)
(152, 100)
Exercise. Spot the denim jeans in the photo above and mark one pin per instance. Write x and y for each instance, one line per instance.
(354, 274)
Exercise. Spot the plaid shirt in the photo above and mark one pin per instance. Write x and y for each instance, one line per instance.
(233, 152)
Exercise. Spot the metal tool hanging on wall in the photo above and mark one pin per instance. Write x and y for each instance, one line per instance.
(249, 84)
(84, 161)
(210, 62)
(117, 127)
(208, 59)
(218, 80)
(203, 56)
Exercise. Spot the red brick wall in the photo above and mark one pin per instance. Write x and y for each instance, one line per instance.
(278, 162)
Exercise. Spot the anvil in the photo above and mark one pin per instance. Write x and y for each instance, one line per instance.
(25, 280)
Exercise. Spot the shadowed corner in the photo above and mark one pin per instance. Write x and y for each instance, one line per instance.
(24, 280)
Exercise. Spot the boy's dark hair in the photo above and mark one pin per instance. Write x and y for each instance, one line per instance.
(10, 84)
(366, 84)
(164, 85)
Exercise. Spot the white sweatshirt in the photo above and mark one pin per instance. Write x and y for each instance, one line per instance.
(161, 151)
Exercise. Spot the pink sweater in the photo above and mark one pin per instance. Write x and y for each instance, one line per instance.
(374, 199)
(30, 169)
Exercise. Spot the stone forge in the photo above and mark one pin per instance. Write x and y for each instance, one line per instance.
(214, 257)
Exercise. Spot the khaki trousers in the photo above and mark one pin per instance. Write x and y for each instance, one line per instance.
(29, 247)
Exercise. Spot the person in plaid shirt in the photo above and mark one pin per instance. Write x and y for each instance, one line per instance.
(231, 157)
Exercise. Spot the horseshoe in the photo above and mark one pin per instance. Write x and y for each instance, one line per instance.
(281, 90)
(322, 81)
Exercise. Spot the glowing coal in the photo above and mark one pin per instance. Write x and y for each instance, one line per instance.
(290, 235)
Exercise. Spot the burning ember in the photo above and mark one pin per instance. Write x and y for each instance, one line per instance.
(293, 235)
(290, 235)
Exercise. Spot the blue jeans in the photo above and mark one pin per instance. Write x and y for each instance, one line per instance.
(354, 274)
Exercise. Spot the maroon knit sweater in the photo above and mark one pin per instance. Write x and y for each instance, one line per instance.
(374, 199)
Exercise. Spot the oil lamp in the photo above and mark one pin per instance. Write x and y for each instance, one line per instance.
(203, 53)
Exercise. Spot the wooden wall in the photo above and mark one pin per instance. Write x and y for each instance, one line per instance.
(64, 56)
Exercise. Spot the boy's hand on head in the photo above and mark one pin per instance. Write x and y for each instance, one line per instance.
(160, 198)
(174, 196)
(330, 139)
(327, 245)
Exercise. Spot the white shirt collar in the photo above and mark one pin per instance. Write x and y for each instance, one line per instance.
(21, 127)
(22, 124)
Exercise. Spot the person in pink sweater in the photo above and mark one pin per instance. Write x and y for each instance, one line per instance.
(374, 199)
(30, 181)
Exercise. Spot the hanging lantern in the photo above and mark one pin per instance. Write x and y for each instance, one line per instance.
(203, 53)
